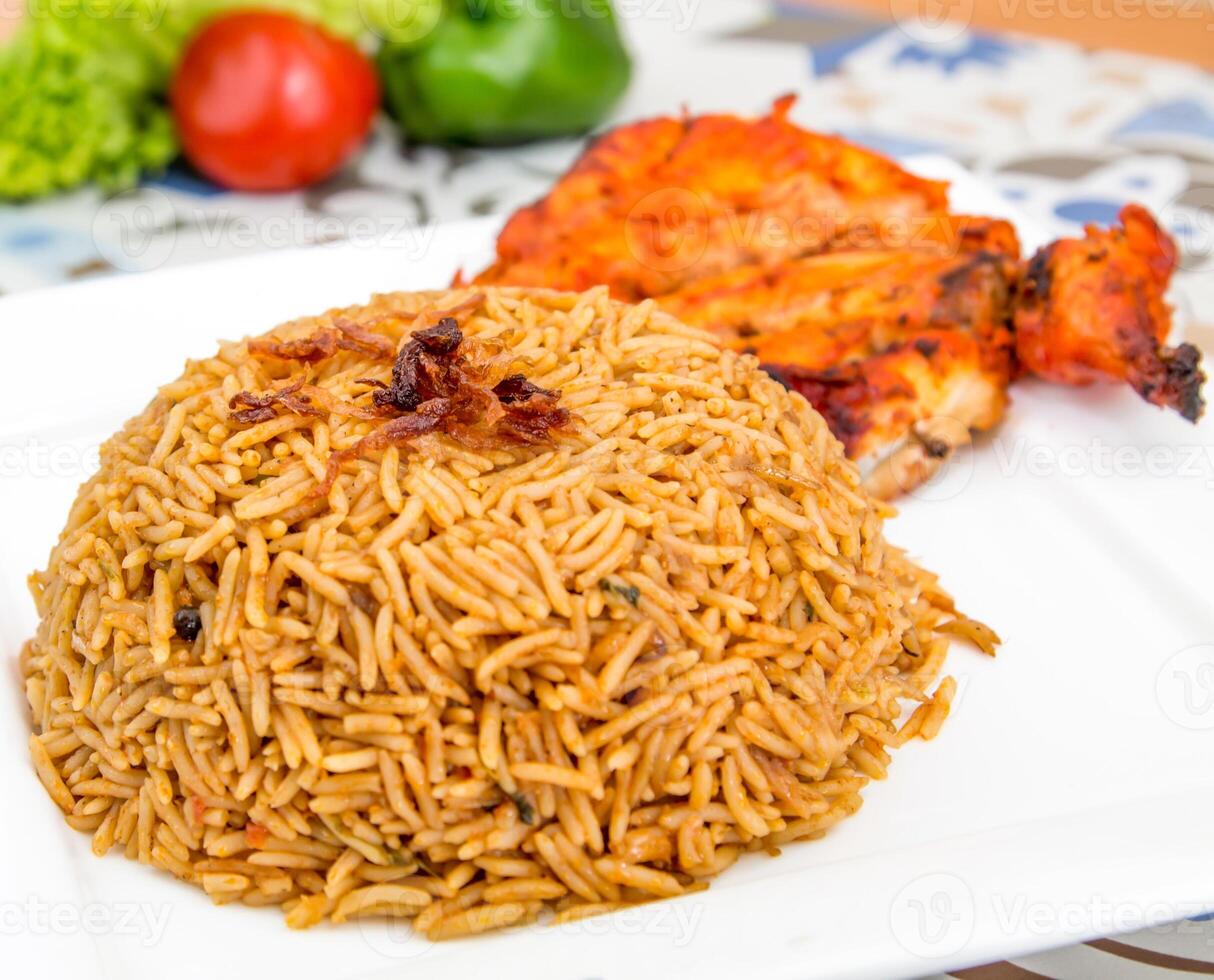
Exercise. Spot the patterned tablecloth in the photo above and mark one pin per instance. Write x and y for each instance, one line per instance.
(1070, 135)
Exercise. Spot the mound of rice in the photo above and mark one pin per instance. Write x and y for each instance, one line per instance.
(472, 682)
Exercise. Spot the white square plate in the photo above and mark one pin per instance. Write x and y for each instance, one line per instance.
(1069, 795)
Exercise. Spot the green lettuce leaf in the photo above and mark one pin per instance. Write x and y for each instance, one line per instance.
(83, 83)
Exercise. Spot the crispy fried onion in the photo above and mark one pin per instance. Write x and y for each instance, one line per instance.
(297, 397)
(324, 343)
(441, 381)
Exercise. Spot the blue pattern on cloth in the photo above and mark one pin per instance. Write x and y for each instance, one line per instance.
(1178, 117)
(979, 49)
(828, 57)
(35, 253)
(186, 182)
(27, 239)
(1083, 211)
(892, 144)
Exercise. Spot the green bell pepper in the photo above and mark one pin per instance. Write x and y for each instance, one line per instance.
(506, 71)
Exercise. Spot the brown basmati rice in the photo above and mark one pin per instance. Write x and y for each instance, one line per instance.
(469, 685)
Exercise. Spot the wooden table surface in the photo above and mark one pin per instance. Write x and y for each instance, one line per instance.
(1179, 29)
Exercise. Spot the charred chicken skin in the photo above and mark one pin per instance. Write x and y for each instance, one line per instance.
(1093, 309)
(902, 323)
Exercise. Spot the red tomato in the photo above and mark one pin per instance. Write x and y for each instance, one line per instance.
(268, 102)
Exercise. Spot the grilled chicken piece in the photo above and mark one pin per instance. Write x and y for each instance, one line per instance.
(659, 203)
(819, 311)
(877, 341)
(902, 323)
(1093, 309)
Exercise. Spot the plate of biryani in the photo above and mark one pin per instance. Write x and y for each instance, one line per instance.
(555, 610)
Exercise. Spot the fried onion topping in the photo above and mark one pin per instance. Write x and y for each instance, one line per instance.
(324, 343)
(441, 381)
